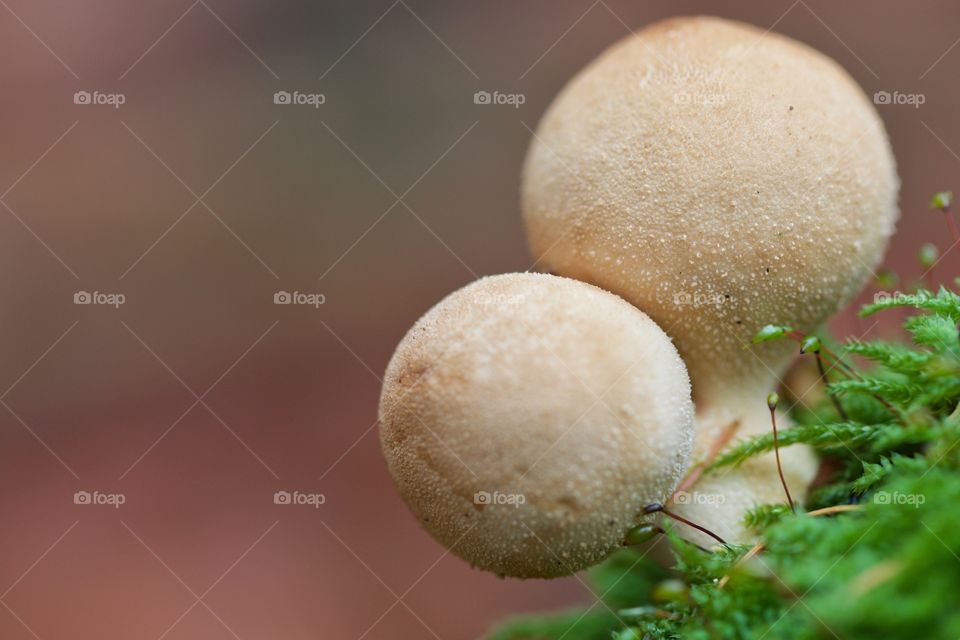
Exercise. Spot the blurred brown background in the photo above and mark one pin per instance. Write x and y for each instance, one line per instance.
(199, 198)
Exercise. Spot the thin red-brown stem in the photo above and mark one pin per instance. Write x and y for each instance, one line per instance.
(850, 371)
(892, 409)
(776, 450)
(833, 398)
(837, 361)
(659, 508)
(954, 231)
(930, 278)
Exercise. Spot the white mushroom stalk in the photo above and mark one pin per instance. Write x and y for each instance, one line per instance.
(719, 178)
(528, 419)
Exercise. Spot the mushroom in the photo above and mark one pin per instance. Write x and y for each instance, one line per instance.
(720, 178)
(528, 419)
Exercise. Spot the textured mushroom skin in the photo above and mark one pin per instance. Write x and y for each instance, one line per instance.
(720, 178)
(540, 386)
(706, 159)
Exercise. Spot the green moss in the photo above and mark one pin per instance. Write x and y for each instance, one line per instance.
(887, 569)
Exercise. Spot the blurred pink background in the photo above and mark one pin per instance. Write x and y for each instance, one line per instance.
(198, 199)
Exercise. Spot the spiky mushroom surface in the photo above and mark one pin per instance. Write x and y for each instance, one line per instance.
(527, 419)
(719, 177)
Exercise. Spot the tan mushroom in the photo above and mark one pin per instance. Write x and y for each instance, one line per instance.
(527, 419)
(720, 178)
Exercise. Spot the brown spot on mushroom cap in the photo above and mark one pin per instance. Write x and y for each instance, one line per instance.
(542, 387)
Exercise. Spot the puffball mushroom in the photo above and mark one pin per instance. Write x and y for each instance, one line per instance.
(720, 178)
(527, 419)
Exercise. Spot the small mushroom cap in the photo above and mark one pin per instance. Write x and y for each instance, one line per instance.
(720, 178)
(527, 419)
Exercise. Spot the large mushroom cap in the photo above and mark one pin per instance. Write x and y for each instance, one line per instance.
(527, 419)
(719, 177)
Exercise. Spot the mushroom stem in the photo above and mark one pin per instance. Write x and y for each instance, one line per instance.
(772, 400)
(697, 470)
(721, 498)
(659, 508)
